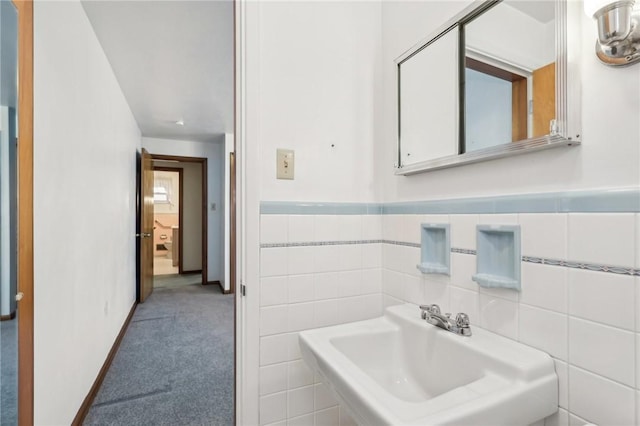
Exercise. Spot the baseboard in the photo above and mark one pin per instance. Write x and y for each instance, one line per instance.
(218, 283)
(195, 271)
(88, 401)
(9, 317)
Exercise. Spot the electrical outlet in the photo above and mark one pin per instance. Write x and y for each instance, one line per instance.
(285, 164)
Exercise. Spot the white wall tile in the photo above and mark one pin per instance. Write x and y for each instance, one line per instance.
(372, 227)
(327, 259)
(350, 256)
(293, 347)
(637, 243)
(392, 283)
(371, 306)
(371, 281)
(326, 313)
(273, 228)
(599, 400)
(502, 293)
(545, 330)
(351, 309)
(560, 418)
(603, 350)
(301, 260)
(603, 297)
(326, 228)
(300, 316)
(413, 289)
(273, 378)
(409, 259)
(345, 418)
(371, 255)
(273, 408)
(273, 320)
(411, 229)
(323, 397)
(544, 286)
(326, 285)
(300, 401)
(388, 301)
(392, 227)
(463, 267)
(544, 235)
(435, 218)
(299, 374)
(273, 291)
(562, 371)
(499, 315)
(301, 288)
(306, 420)
(463, 230)
(436, 292)
(301, 228)
(273, 262)
(602, 238)
(350, 227)
(466, 301)
(273, 349)
(350, 283)
(328, 417)
(498, 219)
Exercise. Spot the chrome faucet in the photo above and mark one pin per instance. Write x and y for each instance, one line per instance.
(459, 325)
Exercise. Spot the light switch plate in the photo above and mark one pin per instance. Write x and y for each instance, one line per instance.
(285, 164)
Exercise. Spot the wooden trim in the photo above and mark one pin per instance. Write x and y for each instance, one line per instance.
(9, 317)
(25, 211)
(484, 68)
(221, 288)
(205, 201)
(519, 107)
(88, 400)
(194, 271)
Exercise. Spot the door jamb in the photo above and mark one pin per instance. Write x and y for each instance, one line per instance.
(205, 201)
(180, 172)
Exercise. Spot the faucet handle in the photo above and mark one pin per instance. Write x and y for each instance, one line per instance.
(462, 320)
(432, 309)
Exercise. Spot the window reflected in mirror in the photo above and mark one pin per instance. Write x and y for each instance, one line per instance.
(509, 74)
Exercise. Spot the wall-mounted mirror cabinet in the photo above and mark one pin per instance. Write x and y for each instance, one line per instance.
(489, 83)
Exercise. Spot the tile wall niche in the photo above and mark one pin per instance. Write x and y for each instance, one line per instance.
(579, 300)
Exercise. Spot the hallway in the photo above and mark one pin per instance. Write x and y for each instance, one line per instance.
(175, 363)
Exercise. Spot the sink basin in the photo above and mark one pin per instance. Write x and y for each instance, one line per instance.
(400, 370)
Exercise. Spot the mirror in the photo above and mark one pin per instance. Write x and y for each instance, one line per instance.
(491, 82)
(8, 212)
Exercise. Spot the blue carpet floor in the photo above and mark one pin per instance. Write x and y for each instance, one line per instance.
(175, 364)
(8, 372)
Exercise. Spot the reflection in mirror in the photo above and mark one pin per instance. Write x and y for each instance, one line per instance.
(509, 74)
(428, 101)
(8, 212)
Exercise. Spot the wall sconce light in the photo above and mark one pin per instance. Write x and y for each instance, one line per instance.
(618, 23)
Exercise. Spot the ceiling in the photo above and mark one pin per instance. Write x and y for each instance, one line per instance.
(541, 10)
(173, 60)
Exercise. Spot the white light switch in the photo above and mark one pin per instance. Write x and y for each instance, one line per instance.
(285, 166)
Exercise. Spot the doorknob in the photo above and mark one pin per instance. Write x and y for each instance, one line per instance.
(19, 296)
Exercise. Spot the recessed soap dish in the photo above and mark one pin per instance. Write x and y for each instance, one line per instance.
(498, 257)
(435, 251)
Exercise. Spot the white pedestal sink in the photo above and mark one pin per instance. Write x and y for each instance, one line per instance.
(400, 370)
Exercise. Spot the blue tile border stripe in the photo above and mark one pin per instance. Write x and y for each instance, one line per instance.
(620, 270)
(595, 201)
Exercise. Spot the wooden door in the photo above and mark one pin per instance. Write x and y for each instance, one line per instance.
(146, 226)
(544, 99)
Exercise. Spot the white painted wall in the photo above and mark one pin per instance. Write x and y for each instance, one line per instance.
(318, 68)
(608, 157)
(213, 152)
(85, 143)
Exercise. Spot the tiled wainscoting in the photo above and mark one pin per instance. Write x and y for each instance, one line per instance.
(316, 271)
(579, 300)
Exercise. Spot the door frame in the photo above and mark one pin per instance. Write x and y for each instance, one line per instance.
(25, 211)
(180, 172)
(205, 202)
